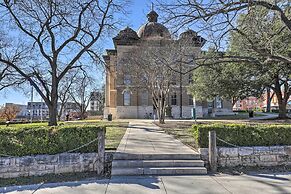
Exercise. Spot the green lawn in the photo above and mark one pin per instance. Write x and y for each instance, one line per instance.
(180, 130)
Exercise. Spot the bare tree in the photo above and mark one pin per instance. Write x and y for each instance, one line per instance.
(154, 66)
(98, 97)
(64, 91)
(52, 38)
(218, 19)
(80, 92)
(9, 112)
(250, 31)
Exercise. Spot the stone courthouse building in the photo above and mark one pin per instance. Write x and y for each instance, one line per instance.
(124, 100)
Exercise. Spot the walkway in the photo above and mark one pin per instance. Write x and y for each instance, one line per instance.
(147, 150)
(220, 184)
(265, 116)
(143, 137)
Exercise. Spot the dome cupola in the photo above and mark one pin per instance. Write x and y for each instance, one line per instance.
(153, 29)
(126, 36)
(152, 16)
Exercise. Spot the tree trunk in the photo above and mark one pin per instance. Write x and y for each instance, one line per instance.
(162, 109)
(59, 117)
(161, 116)
(282, 109)
(53, 115)
(82, 116)
(53, 108)
(181, 96)
(268, 108)
(282, 99)
(60, 112)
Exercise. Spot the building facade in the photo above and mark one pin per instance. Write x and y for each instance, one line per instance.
(22, 110)
(123, 99)
(260, 104)
(96, 102)
(40, 111)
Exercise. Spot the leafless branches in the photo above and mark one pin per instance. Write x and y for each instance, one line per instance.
(218, 19)
(53, 38)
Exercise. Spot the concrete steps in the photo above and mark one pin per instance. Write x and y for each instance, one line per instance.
(160, 171)
(157, 164)
(127, 156)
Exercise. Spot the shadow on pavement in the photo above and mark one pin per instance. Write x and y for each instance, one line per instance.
(273, 176)
(150, 182)
(51, 185)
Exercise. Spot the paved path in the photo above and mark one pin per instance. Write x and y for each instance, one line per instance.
(143, 137)
(265, 116)
(245, 184)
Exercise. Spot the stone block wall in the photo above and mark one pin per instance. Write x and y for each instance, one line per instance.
(186, 111)
(251, 156)
(48, 164)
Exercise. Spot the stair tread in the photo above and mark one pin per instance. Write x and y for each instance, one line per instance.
(169, 156)
(165, 167)
(160, 171)
(186, 160)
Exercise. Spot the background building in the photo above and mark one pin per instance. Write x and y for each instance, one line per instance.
(96, 102)
(125, 100)
(22, 110)
(260, 104)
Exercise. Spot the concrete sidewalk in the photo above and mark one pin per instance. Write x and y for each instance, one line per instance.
(143, 137)
(245, 184)
(266, 116)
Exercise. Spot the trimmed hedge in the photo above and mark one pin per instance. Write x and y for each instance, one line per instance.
(17, 141)
(243, 135)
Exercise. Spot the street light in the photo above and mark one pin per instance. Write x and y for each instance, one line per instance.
(31, 101)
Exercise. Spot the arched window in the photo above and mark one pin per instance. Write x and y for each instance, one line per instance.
(126, 98)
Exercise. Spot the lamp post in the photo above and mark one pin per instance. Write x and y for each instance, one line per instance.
(31, 101)
(41, 110)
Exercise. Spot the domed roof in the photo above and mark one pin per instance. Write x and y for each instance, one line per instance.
(153, 28)
(188, 34)
(127, 34)
(191, 37)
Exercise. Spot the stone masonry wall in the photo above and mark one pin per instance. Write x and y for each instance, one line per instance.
(251, 156)
(48, 164)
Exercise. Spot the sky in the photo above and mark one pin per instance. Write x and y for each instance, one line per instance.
(137, 16)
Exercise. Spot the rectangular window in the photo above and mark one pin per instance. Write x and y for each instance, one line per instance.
(126, 98)
(144, 98)
(174, 99)
(218, 102)
(190, 99)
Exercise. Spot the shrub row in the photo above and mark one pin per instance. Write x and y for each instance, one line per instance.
(243, 134)
(17, 141)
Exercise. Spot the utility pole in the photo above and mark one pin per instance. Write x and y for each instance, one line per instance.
(181, 90)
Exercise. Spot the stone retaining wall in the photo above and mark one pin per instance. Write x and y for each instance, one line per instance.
(251, 156)
(48, 164)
